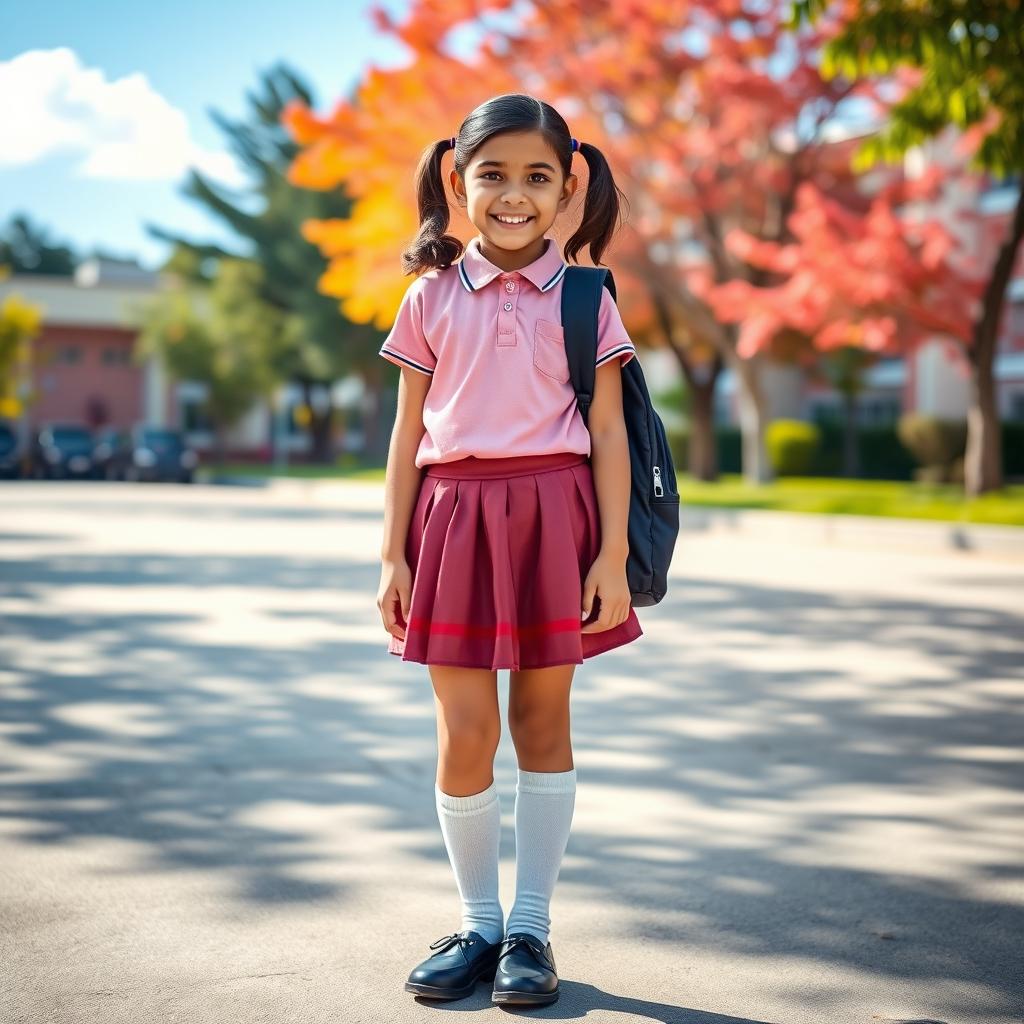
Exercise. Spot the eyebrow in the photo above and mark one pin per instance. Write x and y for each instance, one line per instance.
(501, 163)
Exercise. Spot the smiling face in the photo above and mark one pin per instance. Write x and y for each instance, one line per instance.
(514, 176)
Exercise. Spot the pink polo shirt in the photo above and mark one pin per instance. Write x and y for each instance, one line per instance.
(491, 340)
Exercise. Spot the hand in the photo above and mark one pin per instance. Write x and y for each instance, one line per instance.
(606, 583)
(395, 590)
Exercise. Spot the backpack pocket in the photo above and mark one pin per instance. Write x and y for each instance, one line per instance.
(549, 351)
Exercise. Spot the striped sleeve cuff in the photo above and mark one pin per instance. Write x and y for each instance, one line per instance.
(399, 360)
(626, 349)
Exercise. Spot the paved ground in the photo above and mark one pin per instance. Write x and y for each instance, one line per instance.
(800, 794)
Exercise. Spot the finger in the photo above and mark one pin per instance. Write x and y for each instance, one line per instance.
(589, 593)
(599, 625)
(387, 611)
(405, 596)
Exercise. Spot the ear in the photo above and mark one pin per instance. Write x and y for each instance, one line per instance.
(455, 180)
(568, 191)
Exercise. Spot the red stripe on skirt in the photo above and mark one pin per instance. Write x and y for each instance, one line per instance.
(499, 549)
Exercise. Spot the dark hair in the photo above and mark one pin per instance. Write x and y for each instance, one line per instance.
(511, 112)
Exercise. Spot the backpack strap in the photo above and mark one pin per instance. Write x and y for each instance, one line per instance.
(581, 303)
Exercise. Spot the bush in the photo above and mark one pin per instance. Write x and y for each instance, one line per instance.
(937, 445)
(679, 445)
(792, 446)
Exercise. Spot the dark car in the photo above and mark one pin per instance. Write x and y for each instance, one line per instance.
(149, 453)
(62, 450)
(10, 452)
(108, 451)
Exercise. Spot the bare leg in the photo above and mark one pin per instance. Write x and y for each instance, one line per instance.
(538, 718)
(468, 727)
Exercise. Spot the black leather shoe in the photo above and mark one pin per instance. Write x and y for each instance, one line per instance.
(526, 972)
(452, 972)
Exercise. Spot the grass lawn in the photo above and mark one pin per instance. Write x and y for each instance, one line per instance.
(830, 496)
(818, 495)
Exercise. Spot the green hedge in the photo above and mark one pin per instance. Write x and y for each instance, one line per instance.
(793, 446)
(882, 456)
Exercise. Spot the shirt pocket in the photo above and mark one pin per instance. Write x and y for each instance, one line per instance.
(549, 351)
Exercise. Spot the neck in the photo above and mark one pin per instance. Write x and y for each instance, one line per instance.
(513, 259)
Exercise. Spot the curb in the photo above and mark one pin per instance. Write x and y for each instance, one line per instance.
(918, 535)
(878, 532)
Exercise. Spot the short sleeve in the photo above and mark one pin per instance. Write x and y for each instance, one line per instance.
(406, 345)
(612, 339)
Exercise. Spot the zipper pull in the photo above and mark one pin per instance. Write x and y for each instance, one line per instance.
(659, 491)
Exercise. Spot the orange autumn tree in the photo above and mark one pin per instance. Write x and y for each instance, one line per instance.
(710, 115)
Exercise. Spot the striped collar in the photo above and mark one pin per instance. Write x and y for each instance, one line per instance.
(476, 270)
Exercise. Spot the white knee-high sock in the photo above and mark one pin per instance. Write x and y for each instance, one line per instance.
(471, 826)
(544, 806)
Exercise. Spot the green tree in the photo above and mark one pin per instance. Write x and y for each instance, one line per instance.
(222, 335)
(322, 345)
(970, 56)
(26, 248)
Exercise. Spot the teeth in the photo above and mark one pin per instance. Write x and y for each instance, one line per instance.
(511, 220)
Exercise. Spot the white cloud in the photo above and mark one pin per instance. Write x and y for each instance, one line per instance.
(122, 130)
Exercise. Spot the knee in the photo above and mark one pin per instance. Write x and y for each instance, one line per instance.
(470, 739)
(537, 732)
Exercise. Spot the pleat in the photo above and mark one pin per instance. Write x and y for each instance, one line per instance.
(494, 507)
(498, 567)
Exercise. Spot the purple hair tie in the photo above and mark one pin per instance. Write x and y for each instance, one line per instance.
(575, 145)
(451, 142)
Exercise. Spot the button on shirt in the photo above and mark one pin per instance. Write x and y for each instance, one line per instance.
(492, 343)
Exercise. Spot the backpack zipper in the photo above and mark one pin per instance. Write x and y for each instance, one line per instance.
(658, 489)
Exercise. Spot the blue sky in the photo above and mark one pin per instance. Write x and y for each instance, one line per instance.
(103, 104)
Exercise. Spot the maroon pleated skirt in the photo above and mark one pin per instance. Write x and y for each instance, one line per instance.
(499, 550)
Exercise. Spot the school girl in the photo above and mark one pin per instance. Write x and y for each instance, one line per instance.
(505, 517)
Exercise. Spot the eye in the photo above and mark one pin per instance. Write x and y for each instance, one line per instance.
(536, 174)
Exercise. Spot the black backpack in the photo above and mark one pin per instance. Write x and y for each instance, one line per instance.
(654, 497)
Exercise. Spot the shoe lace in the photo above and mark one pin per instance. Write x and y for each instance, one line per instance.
(447, 941)
(515, 941)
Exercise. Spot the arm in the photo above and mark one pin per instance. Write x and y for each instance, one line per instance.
(609, 457)
(609, 447)
(401, 490)
(402, 477)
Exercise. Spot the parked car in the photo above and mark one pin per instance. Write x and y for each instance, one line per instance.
(10, 452)
(62, 450)
(108, 451)
(147, 453)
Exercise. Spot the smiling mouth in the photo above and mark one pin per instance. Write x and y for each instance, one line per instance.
(509, 224)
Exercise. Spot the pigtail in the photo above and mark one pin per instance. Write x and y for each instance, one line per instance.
(431, 247)
(601, 208)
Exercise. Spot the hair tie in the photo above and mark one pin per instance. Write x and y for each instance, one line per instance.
(575, 145)
(451, 142)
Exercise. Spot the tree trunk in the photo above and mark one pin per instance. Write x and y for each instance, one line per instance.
(702, 456)
(220, 442)
(983, 460)
(319, 426)
(753, 418)
(851, 450)
(703, 449)
(375, 437)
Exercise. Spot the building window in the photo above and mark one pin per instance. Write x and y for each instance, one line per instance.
(69, 354)
(1016, 407)
(1012, 338)
(192, 415)
(116, 357)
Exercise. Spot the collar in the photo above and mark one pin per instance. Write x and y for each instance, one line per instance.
(476, 270)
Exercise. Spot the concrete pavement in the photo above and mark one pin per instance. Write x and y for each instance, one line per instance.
(800, 794)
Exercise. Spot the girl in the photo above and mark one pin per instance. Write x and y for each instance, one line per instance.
(505, 517)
